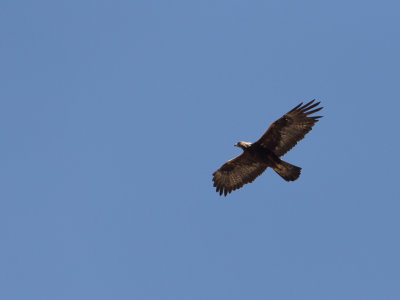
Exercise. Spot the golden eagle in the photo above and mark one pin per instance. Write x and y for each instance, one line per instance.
(280, 137)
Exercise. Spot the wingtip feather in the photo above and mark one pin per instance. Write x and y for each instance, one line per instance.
(308, 106)
(312, 111)
(297, 107)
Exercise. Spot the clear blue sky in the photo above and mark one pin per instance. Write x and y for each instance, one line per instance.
(114, 115)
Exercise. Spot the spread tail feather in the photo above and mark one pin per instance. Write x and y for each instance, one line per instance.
(287, 171)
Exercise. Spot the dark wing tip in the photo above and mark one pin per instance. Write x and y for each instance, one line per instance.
(312, 111)
(316, 118)
(303, 108)
(297, 107)
(308, 106)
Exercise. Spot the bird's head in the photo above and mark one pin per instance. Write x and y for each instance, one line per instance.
(243, 145)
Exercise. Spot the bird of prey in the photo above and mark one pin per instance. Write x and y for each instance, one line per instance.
(280, 137)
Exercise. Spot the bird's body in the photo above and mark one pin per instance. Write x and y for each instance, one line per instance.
(280, 137)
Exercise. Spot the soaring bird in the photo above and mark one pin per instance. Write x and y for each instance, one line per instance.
(280, 137)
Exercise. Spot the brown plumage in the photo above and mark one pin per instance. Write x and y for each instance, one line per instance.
(280, 137)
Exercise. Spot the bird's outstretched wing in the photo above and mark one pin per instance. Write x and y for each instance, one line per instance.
(237, 172)
(284, 133)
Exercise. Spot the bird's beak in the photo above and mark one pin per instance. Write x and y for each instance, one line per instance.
(236, 145)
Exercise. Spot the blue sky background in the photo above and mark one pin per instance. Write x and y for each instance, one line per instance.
(114, 115)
